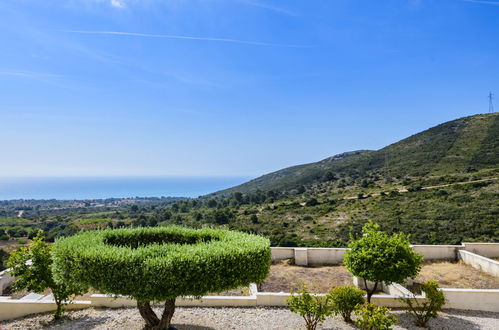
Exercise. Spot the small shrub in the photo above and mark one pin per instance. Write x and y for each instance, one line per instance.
(371, 317)
(345, 299)
(313, 309)
(32, 266)
(425, 311)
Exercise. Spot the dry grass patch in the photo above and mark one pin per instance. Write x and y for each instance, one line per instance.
(284, 277)
(456, 275)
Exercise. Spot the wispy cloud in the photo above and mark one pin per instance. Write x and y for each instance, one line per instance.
(171, 36)
(117, 3)
(485, 2)
(28, 74)
(267, 6)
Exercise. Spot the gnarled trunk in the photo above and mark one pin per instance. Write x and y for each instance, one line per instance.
(370, 292)
(152, 321)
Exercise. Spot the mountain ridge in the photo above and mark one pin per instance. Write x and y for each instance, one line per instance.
(462, 145)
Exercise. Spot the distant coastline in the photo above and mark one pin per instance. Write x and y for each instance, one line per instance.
(69, 188)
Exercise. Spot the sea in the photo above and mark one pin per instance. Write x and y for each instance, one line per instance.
(71, 188)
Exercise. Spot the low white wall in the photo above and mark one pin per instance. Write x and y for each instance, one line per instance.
(280, 253)
(10, 309)
(437, 252)
(301, 257)
(5, 280)
(396, 289)
(334, 256)
(489, 250)
(479, 262)
(472, 299)
(325, 256)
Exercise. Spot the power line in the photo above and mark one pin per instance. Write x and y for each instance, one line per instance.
(491, 104)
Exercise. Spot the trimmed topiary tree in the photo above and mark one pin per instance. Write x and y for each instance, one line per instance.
(161, 264)
(377, 257)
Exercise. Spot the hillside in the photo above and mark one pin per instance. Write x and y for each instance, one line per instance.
(440, 185)
(462, 145)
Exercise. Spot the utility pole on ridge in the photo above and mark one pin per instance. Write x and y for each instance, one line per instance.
(491, 104)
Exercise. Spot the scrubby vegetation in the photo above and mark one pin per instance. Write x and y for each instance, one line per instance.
(374, 317)
(423, 312)
(314, 309)
(32, 266)
(345, 300)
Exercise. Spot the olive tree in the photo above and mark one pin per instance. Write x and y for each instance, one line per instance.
(32, 267)
(162, 263)
(378, 257)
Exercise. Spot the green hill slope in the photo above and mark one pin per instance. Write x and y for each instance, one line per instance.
(462, 145)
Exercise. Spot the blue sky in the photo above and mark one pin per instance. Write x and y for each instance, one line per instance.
(231, 87)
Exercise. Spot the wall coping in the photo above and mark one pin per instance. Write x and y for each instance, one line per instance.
(480, 257)
(480, 243)
(470, 290)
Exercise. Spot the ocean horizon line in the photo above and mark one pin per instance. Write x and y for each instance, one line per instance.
(104, 187)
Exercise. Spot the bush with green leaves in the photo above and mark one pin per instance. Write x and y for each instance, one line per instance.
(345, 300)
(372, 317)
(378, 257)
(32, 266)
(161, 264)
(314, 309)
(423, 312)
(4, 256)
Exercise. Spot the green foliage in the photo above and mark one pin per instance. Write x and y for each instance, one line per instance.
(153, 264)
(371, 317)
(10, 221)
(423, 312)
(314, 309)
(162, 263)
(378, 257)
(32, 266)
(4, 256)
(345, 300)
(92, 221)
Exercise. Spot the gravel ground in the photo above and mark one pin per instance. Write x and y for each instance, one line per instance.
(197, 318)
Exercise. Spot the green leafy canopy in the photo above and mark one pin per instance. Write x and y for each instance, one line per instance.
(378, 257)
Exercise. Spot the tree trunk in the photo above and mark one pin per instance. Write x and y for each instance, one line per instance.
(58, 311)
(166, 318)
(370, 292)
(147, 314)
(152, 321)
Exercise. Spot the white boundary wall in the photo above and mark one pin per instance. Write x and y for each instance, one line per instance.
(334, 256)
(10, 309)
(489, 250)
(479, 262)
(437, 252)
(472, 299)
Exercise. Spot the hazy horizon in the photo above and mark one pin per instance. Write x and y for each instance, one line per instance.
(81, 188)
